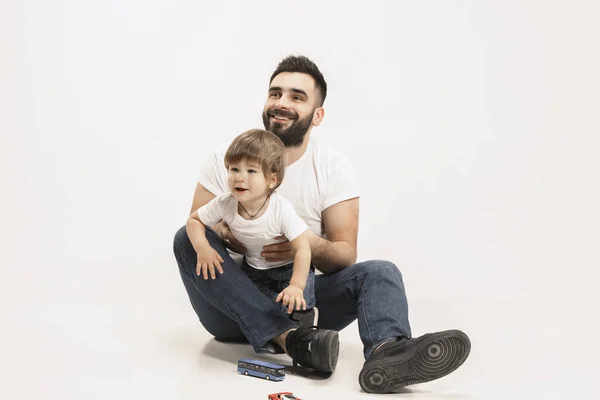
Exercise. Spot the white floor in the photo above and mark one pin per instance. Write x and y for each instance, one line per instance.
(473, 127)
(101, 334)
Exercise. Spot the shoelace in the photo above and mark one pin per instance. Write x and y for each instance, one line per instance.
(298, 336)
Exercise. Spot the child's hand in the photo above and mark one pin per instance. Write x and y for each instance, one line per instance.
(292, 297)
(208, 260)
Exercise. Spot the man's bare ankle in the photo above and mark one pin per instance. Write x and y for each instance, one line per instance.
(280, 340)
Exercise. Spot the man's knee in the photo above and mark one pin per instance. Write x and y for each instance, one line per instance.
(380, 268)
(182, 247)
(391, 268)
(180, 238)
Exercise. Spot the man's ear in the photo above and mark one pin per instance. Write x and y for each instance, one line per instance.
(318, 116)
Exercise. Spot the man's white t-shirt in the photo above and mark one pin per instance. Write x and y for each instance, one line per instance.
(278, 219)
(321, 178)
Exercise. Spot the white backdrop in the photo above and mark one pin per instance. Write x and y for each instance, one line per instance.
(473, 126)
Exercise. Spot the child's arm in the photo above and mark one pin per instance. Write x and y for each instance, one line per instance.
(301, 260)
(293, 295)
(207, 258)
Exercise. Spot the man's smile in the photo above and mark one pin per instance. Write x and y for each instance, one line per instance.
(281, 116)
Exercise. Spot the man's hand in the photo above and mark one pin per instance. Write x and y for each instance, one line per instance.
(292, 297)
(279, 251)
(207, 260)
(231, 242)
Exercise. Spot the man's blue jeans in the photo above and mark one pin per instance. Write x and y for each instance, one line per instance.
(232, 308)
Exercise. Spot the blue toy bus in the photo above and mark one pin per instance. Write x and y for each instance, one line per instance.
(261, 369)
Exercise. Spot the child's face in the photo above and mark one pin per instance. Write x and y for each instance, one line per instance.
(247, 181)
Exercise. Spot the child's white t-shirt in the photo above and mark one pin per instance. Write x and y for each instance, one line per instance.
(278, 219)
(321, 178)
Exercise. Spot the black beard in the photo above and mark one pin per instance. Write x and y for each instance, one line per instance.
(292, 136)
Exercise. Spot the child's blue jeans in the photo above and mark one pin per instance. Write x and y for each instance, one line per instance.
(272, 281)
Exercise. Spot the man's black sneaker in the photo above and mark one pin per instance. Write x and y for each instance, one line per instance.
(405, 362)
(314, 348)
(305, 318)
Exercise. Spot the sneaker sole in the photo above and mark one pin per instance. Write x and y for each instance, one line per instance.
(329, 346)
(431, 359)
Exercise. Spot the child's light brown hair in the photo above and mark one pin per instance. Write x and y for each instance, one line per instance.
(264, 147)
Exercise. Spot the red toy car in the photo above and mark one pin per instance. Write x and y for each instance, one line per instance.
(283, 396)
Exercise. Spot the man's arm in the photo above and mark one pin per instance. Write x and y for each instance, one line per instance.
(201, 197)
(338, 251)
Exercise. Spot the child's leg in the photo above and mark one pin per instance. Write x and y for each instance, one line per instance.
(309, 290)
(262, 280)
(308, 317)
(283, 275)
(272, 281)
(307, 345)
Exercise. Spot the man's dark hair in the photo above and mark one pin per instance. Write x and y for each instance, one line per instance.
(306, 66)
